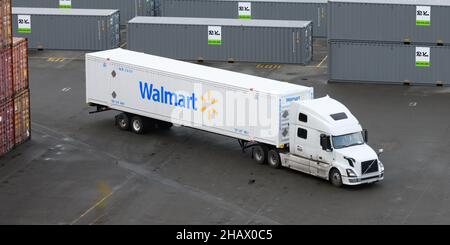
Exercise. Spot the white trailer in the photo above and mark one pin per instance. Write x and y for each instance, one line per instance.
(263, 114)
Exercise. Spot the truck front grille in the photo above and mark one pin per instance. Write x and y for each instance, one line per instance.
(369, 167)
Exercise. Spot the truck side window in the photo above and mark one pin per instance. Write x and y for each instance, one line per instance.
(302, 133)
(303, 117)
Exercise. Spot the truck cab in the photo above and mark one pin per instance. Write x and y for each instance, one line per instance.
(327, 141)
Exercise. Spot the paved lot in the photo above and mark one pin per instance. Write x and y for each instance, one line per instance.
(80, 169)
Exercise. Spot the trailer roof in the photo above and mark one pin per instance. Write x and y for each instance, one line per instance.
(402, 2)
(200, 72)
(219, 21)
(64, 11)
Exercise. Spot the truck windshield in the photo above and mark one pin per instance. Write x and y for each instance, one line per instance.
(348, 140)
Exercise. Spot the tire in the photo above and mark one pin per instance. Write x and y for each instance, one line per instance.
(137, 125)
(123, 121)
(335, 178)
(273, 158)
(260, 154)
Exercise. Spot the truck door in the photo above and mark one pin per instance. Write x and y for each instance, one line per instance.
(302, 158)
(322, 163)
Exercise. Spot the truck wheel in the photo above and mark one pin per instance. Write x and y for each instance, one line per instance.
(260, 154)
(273, 158)
(123, 121)
(335, 177)
(137, 125)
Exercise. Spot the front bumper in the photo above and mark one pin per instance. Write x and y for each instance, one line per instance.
(362, 180)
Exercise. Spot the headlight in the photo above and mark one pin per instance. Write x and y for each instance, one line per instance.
(381, 166)
(351, 173)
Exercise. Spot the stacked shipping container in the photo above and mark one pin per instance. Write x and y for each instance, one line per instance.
(128, 8)
(73, 29)
(6, 83)
(14, 92)
(217, 39)
(389, 41)
(308, 10)
(22, 122)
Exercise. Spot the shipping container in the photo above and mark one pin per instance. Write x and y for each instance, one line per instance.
(311, 10)
(265, 41)
(5, 24)
(389, 63)
(224, 102)
(128, 8)
(6, 127)
(67, 29)
(405, 21)
(20, 64)
(22, 124)
(6, 78)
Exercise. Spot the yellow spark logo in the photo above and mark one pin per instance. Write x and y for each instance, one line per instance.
(208, 103)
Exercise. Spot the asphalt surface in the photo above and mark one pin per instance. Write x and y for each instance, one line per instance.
(80, 169)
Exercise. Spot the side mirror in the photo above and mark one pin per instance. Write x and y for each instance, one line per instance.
(366, 135)
(380, 151)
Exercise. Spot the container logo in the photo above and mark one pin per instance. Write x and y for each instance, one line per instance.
(66, 4)
(423, 55)
(150, 92)
(423, 16)
(245, 10)
(24, 23)
(214, 35)
(208, 102)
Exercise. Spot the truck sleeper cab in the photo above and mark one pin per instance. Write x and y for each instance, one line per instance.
(327, 141)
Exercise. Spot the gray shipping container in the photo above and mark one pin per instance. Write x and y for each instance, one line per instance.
(67, 29)
(312, 10)
(418, 21)
(128, 8)
(389, 63)
(265, 41)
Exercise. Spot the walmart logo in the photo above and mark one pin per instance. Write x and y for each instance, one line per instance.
(208, 103)
(164, 96)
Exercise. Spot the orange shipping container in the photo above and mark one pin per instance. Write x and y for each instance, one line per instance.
(6, 127)
(20, 64)
(5, 24)
(22, 117)
(6, 80)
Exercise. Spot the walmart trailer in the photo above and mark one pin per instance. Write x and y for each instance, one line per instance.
(166, 91)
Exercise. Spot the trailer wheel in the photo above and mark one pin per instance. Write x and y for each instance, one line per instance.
(335, 177)
(123, 121)
(260, 154)
(137, 125)
(273, 158)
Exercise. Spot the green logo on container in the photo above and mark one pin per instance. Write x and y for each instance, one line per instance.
(215, 35)
(65, 4)
(245, 10)
(24, 24)
(423, 55)
(423, 16)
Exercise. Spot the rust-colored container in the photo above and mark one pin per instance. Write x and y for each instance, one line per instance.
(6, 80)
(20, 65)
(6, 127)
(5, 24)
(22, 117)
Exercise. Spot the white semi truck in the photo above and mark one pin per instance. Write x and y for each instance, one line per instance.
(281, 123)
